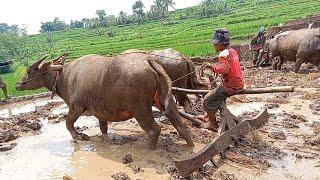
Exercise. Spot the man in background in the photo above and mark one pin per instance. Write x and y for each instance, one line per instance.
(257, 46)
(3, 84)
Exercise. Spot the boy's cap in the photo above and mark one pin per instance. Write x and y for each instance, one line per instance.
(221, 36)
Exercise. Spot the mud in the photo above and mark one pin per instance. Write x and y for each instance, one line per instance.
(7, 146)
(266, 153)
(243, 51)
(277, 135)
(13, 126)
(282, 149)
(120, 176)
(127, 159)
(24, 98)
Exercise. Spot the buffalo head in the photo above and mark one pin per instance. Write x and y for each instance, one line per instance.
(36, 73)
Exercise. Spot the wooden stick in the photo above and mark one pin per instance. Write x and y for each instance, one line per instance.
(244, 91)
(191, 118)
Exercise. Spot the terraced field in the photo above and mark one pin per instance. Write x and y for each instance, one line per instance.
(190, 36)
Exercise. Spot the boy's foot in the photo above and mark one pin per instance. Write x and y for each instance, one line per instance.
(204, 118)
(211, 126)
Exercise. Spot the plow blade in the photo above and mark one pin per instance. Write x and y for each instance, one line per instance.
(187, 166)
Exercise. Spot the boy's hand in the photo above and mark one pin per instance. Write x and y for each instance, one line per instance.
(207, 65)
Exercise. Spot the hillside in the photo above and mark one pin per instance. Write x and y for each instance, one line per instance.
(190, 36)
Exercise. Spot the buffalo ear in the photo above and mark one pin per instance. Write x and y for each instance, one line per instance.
(44, 66)
(61, 59)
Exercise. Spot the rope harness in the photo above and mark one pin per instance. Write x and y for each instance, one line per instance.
(54, 87)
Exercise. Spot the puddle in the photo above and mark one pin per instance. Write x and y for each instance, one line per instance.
(25, 107)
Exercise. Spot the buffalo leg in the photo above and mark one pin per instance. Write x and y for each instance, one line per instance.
(298, 64)
(72, 117)
(5, 91)
(255, 57)
(280, 63)
(103, 128)
(175, 119)
(275, 63)
(145, 119)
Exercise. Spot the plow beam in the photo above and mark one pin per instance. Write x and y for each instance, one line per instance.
(187, 166)
(244, 91)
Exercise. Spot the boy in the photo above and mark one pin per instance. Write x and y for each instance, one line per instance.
(230, 70)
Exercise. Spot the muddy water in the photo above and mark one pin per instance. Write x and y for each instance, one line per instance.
(52, 153)
(24, 107)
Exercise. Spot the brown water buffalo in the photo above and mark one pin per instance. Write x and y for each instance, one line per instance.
(301, 46)
(110, 88)
(181, 71)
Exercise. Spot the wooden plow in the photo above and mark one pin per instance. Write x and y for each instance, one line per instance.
(231, 129)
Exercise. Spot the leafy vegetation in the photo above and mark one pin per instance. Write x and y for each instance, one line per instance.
(186, 30)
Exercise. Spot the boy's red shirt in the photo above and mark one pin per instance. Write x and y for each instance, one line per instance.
(229, 68)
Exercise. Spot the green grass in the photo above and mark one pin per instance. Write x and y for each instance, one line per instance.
(189, 36)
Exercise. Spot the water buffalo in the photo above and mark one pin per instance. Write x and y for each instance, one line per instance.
(301, 46)
(112, 89)
(181, 71)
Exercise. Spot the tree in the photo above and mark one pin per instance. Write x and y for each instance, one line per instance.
(112, 19)
(55, 25)
(76, 24)
(86, 22)
(4, 27)
(123, 18)
(94, 23)
(138, 11)
(13, 29)
(162, 8)
(11, 45)
(154, 13)
(210, 8)
(102, 18)
(169, 3)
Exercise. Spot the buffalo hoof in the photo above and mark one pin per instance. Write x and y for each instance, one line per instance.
(82, 137)
(105, 138)
(190, 143)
